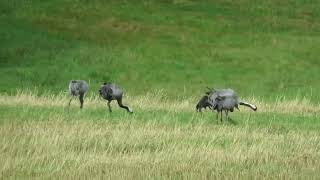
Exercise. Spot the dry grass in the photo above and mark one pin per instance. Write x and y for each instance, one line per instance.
(142, 150)
(158, 101)
(62, 147)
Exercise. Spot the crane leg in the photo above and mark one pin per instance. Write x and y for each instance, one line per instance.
(81, 100)
(227, 117)
(109, 106)
(70, 101)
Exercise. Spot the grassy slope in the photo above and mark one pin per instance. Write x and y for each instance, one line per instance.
(262, 49)
(266, 49)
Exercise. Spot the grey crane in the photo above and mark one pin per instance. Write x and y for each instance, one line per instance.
(226, 100)
(78, 88)
(112, 91)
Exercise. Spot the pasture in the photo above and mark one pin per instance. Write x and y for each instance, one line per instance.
(164, 53)
(41, 138)
(265, 49)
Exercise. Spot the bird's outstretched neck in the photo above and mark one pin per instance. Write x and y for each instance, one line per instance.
(252, 106)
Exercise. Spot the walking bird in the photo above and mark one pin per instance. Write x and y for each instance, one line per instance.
(112, 91)
(226, 100)
(78, 88)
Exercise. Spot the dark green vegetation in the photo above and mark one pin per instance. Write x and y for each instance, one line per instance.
(260, 48)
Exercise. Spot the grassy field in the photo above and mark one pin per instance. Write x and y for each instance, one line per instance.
(163, 139)
(164, 53)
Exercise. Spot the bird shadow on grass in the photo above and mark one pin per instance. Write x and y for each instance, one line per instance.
(231, 121)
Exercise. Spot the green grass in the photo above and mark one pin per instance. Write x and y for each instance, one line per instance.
(262, 119)
(41, 138)
(265, 49)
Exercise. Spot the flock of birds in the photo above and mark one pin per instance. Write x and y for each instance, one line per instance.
(215, 99)
(108, 91)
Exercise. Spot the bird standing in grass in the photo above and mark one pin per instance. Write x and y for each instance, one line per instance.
(226, 100)
(78, 88)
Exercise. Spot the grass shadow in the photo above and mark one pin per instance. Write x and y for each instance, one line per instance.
(231, 121)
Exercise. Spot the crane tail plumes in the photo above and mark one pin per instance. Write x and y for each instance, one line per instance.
(252, 106)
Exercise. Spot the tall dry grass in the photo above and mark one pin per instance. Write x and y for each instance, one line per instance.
(60, 145)
(133, 150)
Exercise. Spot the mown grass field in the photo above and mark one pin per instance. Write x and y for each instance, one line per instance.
(164, 53)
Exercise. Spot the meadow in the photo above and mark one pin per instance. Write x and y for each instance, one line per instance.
(265, 49)
(164, 53)
(163, 139)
